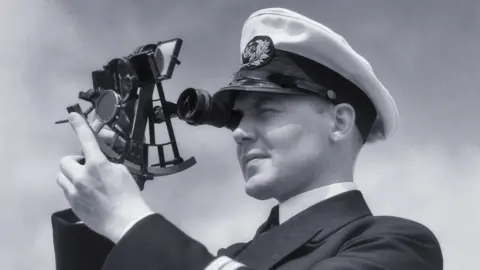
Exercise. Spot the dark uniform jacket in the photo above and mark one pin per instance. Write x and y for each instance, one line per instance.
(339, 233)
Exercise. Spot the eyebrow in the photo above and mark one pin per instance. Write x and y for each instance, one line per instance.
(261, 100)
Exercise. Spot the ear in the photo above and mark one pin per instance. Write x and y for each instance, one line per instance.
(343, 122)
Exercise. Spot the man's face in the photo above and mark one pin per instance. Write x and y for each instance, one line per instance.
(281, 141)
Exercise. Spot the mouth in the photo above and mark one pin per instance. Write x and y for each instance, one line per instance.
(253, 156)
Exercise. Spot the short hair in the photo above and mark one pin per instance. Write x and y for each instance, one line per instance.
(321, 104)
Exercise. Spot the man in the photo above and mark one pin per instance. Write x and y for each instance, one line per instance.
(309, 103)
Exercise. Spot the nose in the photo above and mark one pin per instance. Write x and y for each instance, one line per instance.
(245, 131)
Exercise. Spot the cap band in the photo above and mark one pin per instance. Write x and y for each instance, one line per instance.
(292, 71)
(277, 80)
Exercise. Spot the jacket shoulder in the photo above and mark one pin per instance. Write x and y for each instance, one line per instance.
(398, 233)
(395, 226)
(393, 242)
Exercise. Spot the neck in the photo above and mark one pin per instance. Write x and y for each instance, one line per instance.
(325, 179)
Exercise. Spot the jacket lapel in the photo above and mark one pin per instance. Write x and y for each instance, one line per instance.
(273, 243)
(235, 249)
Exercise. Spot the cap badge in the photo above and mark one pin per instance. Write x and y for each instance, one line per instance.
(258, 52)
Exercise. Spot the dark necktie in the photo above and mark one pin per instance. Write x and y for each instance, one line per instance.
(273, 220)
(262, 239)
(270, 223)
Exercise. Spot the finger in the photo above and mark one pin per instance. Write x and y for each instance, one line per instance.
(87, 137)
(67, 186)
(97, 125)
(71, 168)
(106, 127)
(107, 136)
(112, 139)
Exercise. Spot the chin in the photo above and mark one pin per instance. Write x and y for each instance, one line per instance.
(260, 187)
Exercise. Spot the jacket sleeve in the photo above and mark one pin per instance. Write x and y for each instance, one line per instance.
(154, 243)
(76, 247)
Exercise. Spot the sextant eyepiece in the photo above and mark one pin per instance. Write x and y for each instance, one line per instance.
(198, 107)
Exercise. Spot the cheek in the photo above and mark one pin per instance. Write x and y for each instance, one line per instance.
(294, 147)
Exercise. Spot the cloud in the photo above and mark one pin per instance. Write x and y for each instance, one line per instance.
(432, 184)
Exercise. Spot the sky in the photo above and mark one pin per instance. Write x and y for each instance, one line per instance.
(425, 52)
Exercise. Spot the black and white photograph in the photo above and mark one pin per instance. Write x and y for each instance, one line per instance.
(240, 135)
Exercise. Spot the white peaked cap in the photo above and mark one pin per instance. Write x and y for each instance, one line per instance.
(297, 34)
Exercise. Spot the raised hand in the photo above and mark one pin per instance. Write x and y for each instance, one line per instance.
(102, 194)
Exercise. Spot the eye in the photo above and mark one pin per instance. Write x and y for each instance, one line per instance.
(264, 113)
(266, 110)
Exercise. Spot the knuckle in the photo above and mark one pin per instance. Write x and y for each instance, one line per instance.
(78, 179)
(59, 181)
(73, 196)
(98, 162)
(102, 160)
(81, 186)
(73, 199)
(119, 166)
(63, 160)
(91, 145)
(70, 193)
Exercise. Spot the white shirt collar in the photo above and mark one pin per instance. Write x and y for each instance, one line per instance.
(297, 204)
